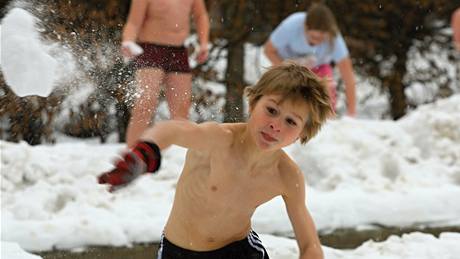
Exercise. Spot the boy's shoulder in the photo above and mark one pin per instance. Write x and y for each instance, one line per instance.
(221, 134)
(286, 163)
(231, 132)
(290, 172)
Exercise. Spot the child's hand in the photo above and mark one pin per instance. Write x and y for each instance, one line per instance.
(143, 158)
(125, 171)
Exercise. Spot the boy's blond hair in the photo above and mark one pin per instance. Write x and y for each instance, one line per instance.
(296, 83)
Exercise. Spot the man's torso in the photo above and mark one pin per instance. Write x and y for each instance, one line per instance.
(166, 22)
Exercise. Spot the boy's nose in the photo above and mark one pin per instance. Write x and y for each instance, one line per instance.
(275, 126)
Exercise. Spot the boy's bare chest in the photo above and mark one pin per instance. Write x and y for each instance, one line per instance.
(229, 180)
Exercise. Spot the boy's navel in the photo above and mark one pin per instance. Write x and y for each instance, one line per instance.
(213, 188)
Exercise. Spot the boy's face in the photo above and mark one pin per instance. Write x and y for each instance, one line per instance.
(275, 123)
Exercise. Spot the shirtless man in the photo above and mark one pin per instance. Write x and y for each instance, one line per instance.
(231, 169)
(160, 28)
(455, 23)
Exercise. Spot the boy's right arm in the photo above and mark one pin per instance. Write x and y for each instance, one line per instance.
(187, 134)
(145, 156)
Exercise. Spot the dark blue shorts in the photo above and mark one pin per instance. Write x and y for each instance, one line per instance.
(249, 248)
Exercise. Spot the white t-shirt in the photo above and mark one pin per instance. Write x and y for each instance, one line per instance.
(290, 40)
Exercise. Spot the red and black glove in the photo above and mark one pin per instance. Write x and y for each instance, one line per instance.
(145, 157)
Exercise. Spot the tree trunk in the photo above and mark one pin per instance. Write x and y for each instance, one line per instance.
(123, 116)
(394, 82)
(234, 77)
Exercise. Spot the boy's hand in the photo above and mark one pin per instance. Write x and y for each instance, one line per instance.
(143, 158)
(202, 55)
(125, 171)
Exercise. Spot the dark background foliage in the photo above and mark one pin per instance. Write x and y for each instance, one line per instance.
(380, 35)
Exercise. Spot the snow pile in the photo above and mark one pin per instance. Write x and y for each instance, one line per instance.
(14, 251)
(435, 129)
(409, 246)
(359, 173)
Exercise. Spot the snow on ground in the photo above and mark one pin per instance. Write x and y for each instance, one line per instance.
(13, 251)
(359, 173)
(409, 246)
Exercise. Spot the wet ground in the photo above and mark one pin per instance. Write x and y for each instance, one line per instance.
(342, 238)
(351, 238)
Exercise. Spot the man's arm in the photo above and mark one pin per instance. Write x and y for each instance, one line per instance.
(456, 28)
(201, 19)
(346, 71)
(272, 54)
(301, 220)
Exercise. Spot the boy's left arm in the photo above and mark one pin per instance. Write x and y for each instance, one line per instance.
(201, 19)
(301, 220)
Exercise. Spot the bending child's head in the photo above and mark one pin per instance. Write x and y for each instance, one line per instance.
(320, 20)
(297, 84)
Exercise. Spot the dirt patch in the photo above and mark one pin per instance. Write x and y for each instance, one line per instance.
(352, 238)
(138, 251)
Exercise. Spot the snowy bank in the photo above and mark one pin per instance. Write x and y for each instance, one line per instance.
(359, 173)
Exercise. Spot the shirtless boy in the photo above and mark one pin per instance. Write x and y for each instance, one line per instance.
(233, 168)
(160, 28)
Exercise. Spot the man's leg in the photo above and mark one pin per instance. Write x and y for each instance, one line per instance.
(179, 94)
(149, 85)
